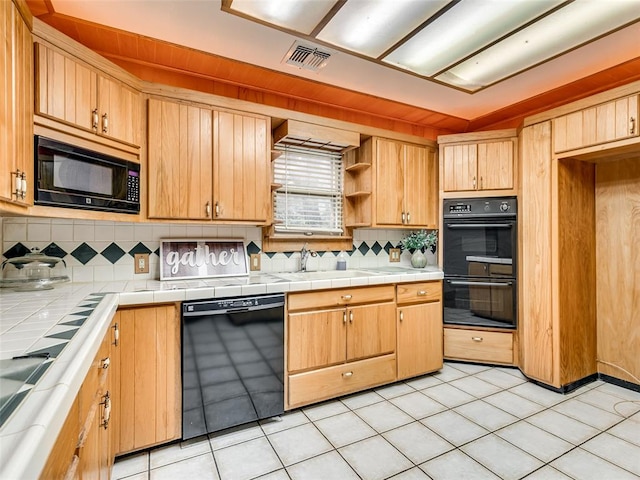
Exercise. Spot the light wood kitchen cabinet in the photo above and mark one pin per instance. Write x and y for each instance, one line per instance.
(479, 163)
(419, 328)
(203, 163)
(73, 93)
(334, 339)
(406, 191)
(150, 388)
(241, 187)
(557, 288)
(478, 345)
(607, 122)
(84, 448)
(16, 108)
(180, 159)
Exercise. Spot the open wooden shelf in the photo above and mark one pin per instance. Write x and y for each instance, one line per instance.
(357, 167)
(359, 194)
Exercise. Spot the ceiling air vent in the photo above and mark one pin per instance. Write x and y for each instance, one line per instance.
(308, 57)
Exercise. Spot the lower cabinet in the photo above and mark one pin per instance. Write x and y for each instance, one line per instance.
(150, 392)
(479, 345)
(419, 328)
(339, 341)
(84, 448)
(130, 398)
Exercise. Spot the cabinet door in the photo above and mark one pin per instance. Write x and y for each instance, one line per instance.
(66, 90)
(180, 161)
(6, 107)
(603, 123)
(16, 108)
(241, 167)
(119, 109)
(389, 182)
(495, 165)
(460, 167)
(316, 339)
(420, 187)
(371, 330)
(150, 388)
(419, 339)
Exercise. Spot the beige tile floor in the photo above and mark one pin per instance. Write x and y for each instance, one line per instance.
(465, 422)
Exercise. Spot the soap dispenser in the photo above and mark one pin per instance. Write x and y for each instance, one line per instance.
(342, 262)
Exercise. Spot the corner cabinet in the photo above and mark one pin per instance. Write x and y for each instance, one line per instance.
(339, 341)
(72, 93)
(479, 164)
(16, 109)
(419, 328)
(203, 162)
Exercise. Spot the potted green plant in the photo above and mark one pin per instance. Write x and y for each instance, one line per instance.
(417, 243)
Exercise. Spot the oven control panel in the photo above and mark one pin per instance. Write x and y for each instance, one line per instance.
(479, 207)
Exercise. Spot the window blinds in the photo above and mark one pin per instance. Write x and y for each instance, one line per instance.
(310, 197)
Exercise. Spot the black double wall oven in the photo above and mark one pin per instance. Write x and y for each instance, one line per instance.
(480, 262)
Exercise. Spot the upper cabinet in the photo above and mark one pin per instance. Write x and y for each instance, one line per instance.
(16, 108)
(180, 159)
(607, 122)
(479, 162)
(242, 158)
(72, 92)
(207, 164)
(404, 187)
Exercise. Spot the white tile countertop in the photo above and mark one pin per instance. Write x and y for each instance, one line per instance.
(72, 319)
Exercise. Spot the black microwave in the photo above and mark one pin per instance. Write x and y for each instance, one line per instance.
(73, 177)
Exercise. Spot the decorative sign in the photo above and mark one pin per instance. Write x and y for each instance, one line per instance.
(202, 258)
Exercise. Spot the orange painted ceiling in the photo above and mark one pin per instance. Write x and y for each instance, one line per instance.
(157, 60)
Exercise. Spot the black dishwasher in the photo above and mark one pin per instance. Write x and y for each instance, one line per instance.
(232, 362)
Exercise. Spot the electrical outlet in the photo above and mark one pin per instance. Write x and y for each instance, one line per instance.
(254, 262)
(141, 263)
(394, 254)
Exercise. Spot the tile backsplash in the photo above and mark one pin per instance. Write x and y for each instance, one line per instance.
(103, 251)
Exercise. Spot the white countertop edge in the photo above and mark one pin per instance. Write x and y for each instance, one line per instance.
(62, 382)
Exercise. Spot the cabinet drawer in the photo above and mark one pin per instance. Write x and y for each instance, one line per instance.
(310, 387)
(419, 292)
(492, 347)
(340, 297)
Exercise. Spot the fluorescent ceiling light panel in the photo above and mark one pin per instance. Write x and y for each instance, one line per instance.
(466, 27)
(299, 15)
(557, 33)
(370, 27)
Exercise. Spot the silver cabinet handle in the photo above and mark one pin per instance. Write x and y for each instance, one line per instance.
(632, 126)
(403, 218)
(207, 209)
(347, 374)
(422, 293)
(105, 123)
(408, 217)
(461, 283)
(344, 318)
(217, 207)
(20, 184)
(401, 316)
(116, 334)
(464, 226)
(476, 339)
(94, 119)
(346, 297)
(351, 317)
(23, 185)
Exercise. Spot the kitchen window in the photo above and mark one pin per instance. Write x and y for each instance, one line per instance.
(308, 199)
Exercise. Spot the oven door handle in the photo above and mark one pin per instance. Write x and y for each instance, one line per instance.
(480, 284)
(454, 226)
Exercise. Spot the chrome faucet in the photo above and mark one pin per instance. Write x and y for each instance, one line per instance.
(304, 256)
